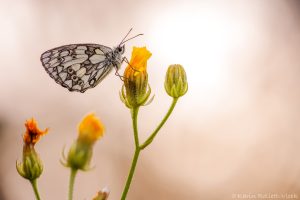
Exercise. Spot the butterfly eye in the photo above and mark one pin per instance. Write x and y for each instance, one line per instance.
(70, 70)
(74, 56)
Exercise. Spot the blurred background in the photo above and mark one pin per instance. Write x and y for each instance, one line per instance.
(236, 131)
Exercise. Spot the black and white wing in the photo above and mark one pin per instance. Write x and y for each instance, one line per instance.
(77, 67)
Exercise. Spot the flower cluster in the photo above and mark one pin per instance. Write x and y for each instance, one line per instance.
(135, 93)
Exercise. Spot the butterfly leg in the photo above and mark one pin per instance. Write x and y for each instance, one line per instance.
(126, 60)
(117, 73)
(120, 76)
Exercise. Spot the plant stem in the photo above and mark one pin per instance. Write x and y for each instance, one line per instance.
(152, 136)
(35, 189)
(71, 183)
(130, 175)
(138, 148)
(134, 113)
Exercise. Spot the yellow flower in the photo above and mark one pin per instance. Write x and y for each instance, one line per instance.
(90, 129)
(33, 133)
(138, 62)
(80, 154)
(136, 79)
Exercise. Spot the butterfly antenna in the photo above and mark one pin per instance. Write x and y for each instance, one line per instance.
(125, 36)
(123, 41)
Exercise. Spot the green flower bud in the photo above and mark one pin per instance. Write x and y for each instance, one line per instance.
(176, 82)
(32, 167)
(79, 156)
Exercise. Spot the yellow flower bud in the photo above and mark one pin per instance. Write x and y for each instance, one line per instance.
(80, 154)
(176, 82)
(90, 129)
(135, 91)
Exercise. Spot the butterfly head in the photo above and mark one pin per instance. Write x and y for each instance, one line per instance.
(120, 49)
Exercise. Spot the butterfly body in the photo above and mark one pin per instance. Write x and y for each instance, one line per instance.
(79, 67)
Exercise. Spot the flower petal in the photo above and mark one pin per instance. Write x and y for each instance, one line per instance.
(33, 133)
(90, 129)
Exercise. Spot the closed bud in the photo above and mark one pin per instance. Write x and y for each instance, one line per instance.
(176, 82)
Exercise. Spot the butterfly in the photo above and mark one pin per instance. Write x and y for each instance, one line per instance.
(79, 67)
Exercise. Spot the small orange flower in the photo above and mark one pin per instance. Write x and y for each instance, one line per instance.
(90, 129)
(33, 133)
(31, 166)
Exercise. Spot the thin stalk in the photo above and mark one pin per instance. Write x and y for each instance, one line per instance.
(134, 113)
(71, 183)
(35, 189)
(130, 175)
(152, 136)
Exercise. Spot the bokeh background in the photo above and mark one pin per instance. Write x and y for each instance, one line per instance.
(236, 131)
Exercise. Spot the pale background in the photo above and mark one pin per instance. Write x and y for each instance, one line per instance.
(236, 131)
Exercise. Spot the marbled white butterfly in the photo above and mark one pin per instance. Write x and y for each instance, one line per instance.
(79, 67)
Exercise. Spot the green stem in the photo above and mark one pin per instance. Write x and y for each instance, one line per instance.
(152, 136)
(134, 113)
(35, 189)
(138, 148)
(71, 183)
(130, 175)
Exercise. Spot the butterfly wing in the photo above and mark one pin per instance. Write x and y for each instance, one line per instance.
(77, 67)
